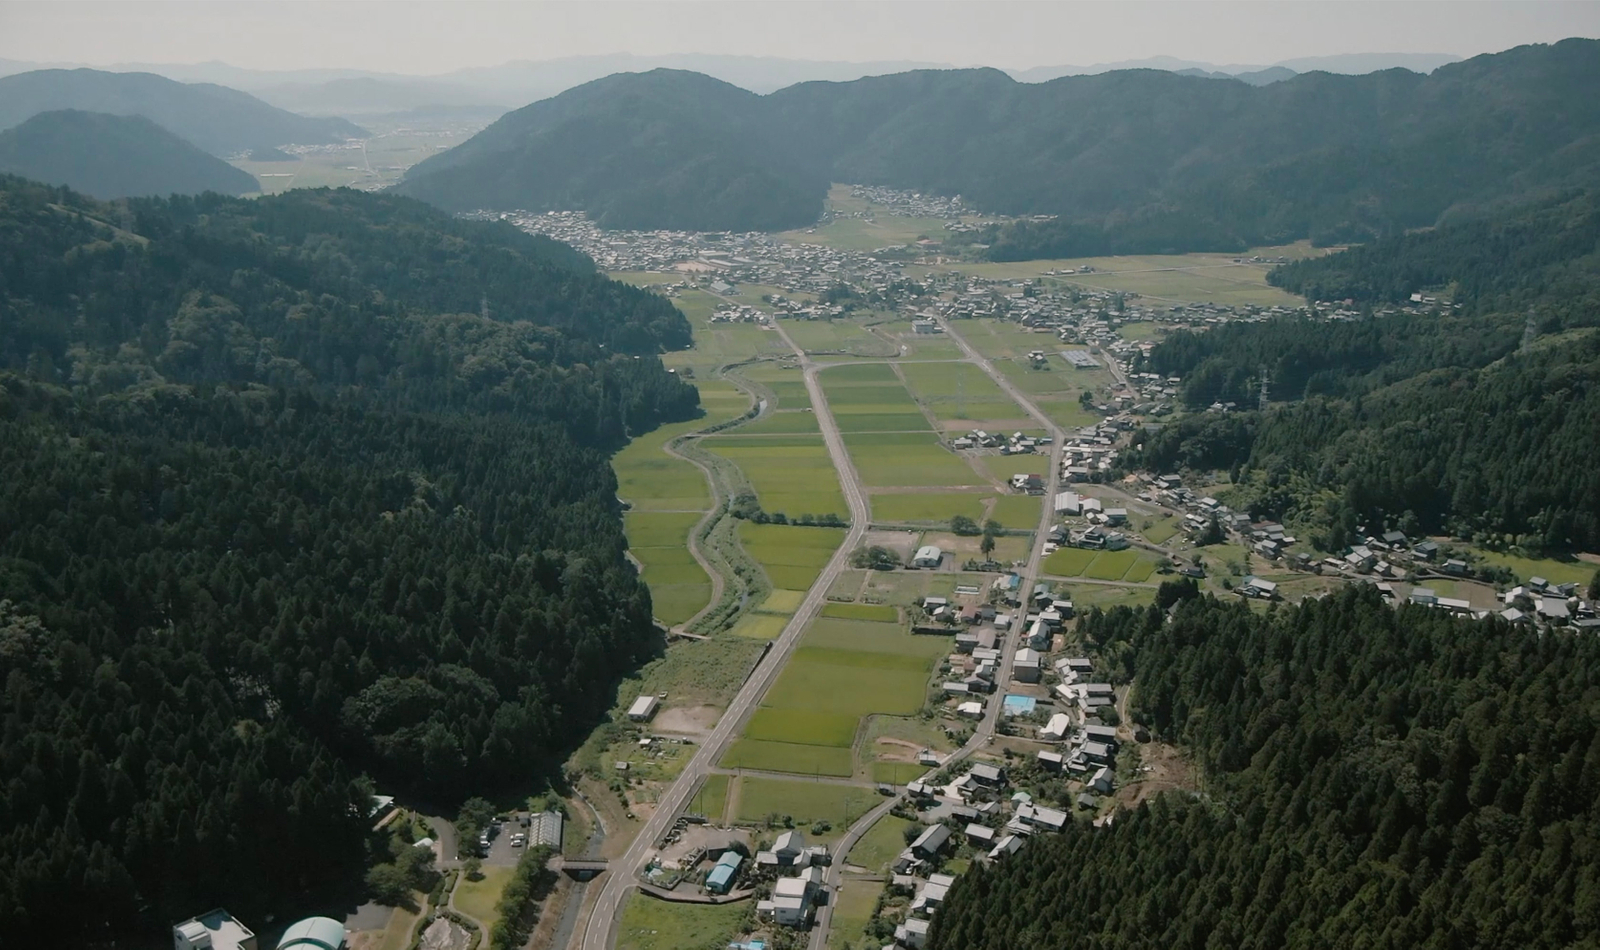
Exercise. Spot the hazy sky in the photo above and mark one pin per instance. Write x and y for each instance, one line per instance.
(430, 37)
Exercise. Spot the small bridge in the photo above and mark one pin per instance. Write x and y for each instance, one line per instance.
(577, 868)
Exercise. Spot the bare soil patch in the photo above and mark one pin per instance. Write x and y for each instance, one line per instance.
(890, 749)
(687, 720)
(903, 542)
(444, 934)
(1163, 768)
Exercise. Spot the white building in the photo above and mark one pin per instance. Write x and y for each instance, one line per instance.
(643, 708)
(928, 556)
(216, 930)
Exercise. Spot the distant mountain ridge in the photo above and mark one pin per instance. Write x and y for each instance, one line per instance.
(114, 156)
(353, 92)
(219, 120)
(1134, 160)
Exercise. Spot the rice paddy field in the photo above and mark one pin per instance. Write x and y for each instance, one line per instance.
(678, 585)
(668, 497)
(791, 556)
(962, 396)
(908, 459)
(842, 671)
(790, 473)
(843, 337)
(869, 397)
(926, 507)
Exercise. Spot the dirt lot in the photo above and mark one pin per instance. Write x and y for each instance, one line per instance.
(695, 836)
(1165, 769)
(890, 749)
(687, 720)
(904, 542)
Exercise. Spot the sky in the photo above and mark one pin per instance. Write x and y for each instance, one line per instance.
(437, 37)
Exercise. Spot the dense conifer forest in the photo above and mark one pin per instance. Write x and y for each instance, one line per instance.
(1474, 415)
(285, 509)
(1372, 778)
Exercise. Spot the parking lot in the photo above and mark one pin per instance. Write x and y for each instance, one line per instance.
(501, 851)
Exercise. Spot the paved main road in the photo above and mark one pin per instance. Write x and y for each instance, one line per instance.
(1030, 576)
(600, 928)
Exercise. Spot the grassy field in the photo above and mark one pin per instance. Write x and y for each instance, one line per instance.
(882, 842)
(711, 798)
(1018, 511)
(852, 911)
(1005, 466)
(907, 459)
(878, 613)
(374, 162)
(477, 898)
(869, 397)
(1175, 278)
(651, 924)
(759, 626)
(783, 379)
(1572, 571)
(926, 507)
(803, 801)
(782, 601)
(790, 473)
(1068, 562)
(791, 556)
(1111, 565)
(1105, 597)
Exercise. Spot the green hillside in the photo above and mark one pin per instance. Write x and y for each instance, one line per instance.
(114, 156)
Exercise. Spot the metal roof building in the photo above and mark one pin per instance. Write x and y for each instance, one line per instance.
(313, 933)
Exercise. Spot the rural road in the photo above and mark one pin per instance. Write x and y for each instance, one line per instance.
(1030, 576)
(599, 931)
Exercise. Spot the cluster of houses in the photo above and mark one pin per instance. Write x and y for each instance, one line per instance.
(1100, 524)
(1092, 450)
(1014, 444)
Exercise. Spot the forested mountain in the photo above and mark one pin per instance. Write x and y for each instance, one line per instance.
(667, 148)
(283, 508)
(1373, 778)
(1544, 254)
(1133, 160)
(1472, 418)
(114, 156)
(220, 120)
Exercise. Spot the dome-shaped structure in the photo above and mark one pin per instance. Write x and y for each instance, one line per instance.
(313, 933)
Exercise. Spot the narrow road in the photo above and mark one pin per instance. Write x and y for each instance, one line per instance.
(671, 448)
(600, 928)
(1030, 576)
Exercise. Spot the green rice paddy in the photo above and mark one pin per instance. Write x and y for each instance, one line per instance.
(791, 556)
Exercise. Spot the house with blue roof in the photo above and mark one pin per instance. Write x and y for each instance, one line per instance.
(720, 880)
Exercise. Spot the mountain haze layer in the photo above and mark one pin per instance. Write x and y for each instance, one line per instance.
(1136, 160)
(220, 120)
(114, 156)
